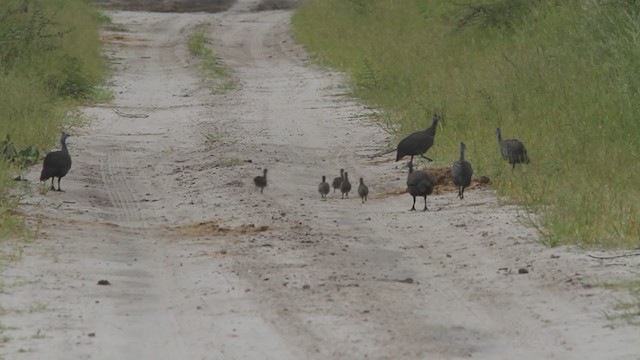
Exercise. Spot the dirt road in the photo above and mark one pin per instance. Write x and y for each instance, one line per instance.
(203, 266)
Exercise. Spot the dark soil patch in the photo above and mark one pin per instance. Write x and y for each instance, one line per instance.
(444, 181)
(265, 5)
(180, 6)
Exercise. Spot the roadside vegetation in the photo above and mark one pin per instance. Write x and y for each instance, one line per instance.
(50, 62)
(561, 76)
(628, 309)
(216, 77)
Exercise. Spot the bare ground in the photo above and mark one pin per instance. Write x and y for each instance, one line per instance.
(201, 266)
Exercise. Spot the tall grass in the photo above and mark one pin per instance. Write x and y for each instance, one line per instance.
(561, 76)
(50, 61)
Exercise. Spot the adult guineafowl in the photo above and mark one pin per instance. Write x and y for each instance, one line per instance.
(363, 191)
(345, 186)
(337, 181)
(512, 150)
(56, 163)
(419, 142)
(323, 187)
(461, 172)
(261, 181)
(419, 183)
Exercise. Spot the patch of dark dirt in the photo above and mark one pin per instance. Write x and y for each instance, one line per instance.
(213, 228)
(265, 5)
(178, 6)
(444, 181)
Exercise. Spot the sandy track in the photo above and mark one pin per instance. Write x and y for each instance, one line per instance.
(202, 266)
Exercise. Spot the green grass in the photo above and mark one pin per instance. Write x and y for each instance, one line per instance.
(563, 77)
(231, 162)
(216, 76)
(50, 61)
(626, 310)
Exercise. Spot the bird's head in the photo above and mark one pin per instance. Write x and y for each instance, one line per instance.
(463, 147)
(499, 133)
(63, 137)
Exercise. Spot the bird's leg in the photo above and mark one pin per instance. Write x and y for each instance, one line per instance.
(425, 204)
(59, 184)
(425, 157)
(413, 207)
(462, 193)
(52, 187)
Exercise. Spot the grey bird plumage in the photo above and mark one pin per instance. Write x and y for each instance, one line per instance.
(56, 163)
(323, 187)
(461, 172)
(345, 186)
(261, 181)
(337, 181)
(419, 142)
(363, 191)
(419, 183)
(512, 150)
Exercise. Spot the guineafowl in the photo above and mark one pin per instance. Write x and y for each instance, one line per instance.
(419, 142)
(261, 181)
(363, 191)
(461, 172)
(323, 187)
(512, 150)
(345, 186)
(56, 163)
(337, 181)
(419, 183)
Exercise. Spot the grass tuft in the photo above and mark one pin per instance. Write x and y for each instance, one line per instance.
(216, 76)
(627, 310)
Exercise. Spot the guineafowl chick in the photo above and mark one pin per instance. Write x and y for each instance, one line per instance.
(363, 191)
(261, 181)
(337, 181)
(419, 142)
(345, 186)
(323, 187)
(512, 150)
(56, 163)
(419, 183)
(461, 172)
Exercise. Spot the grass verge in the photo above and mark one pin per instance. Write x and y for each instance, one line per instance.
(559, 76)
(50, 62)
